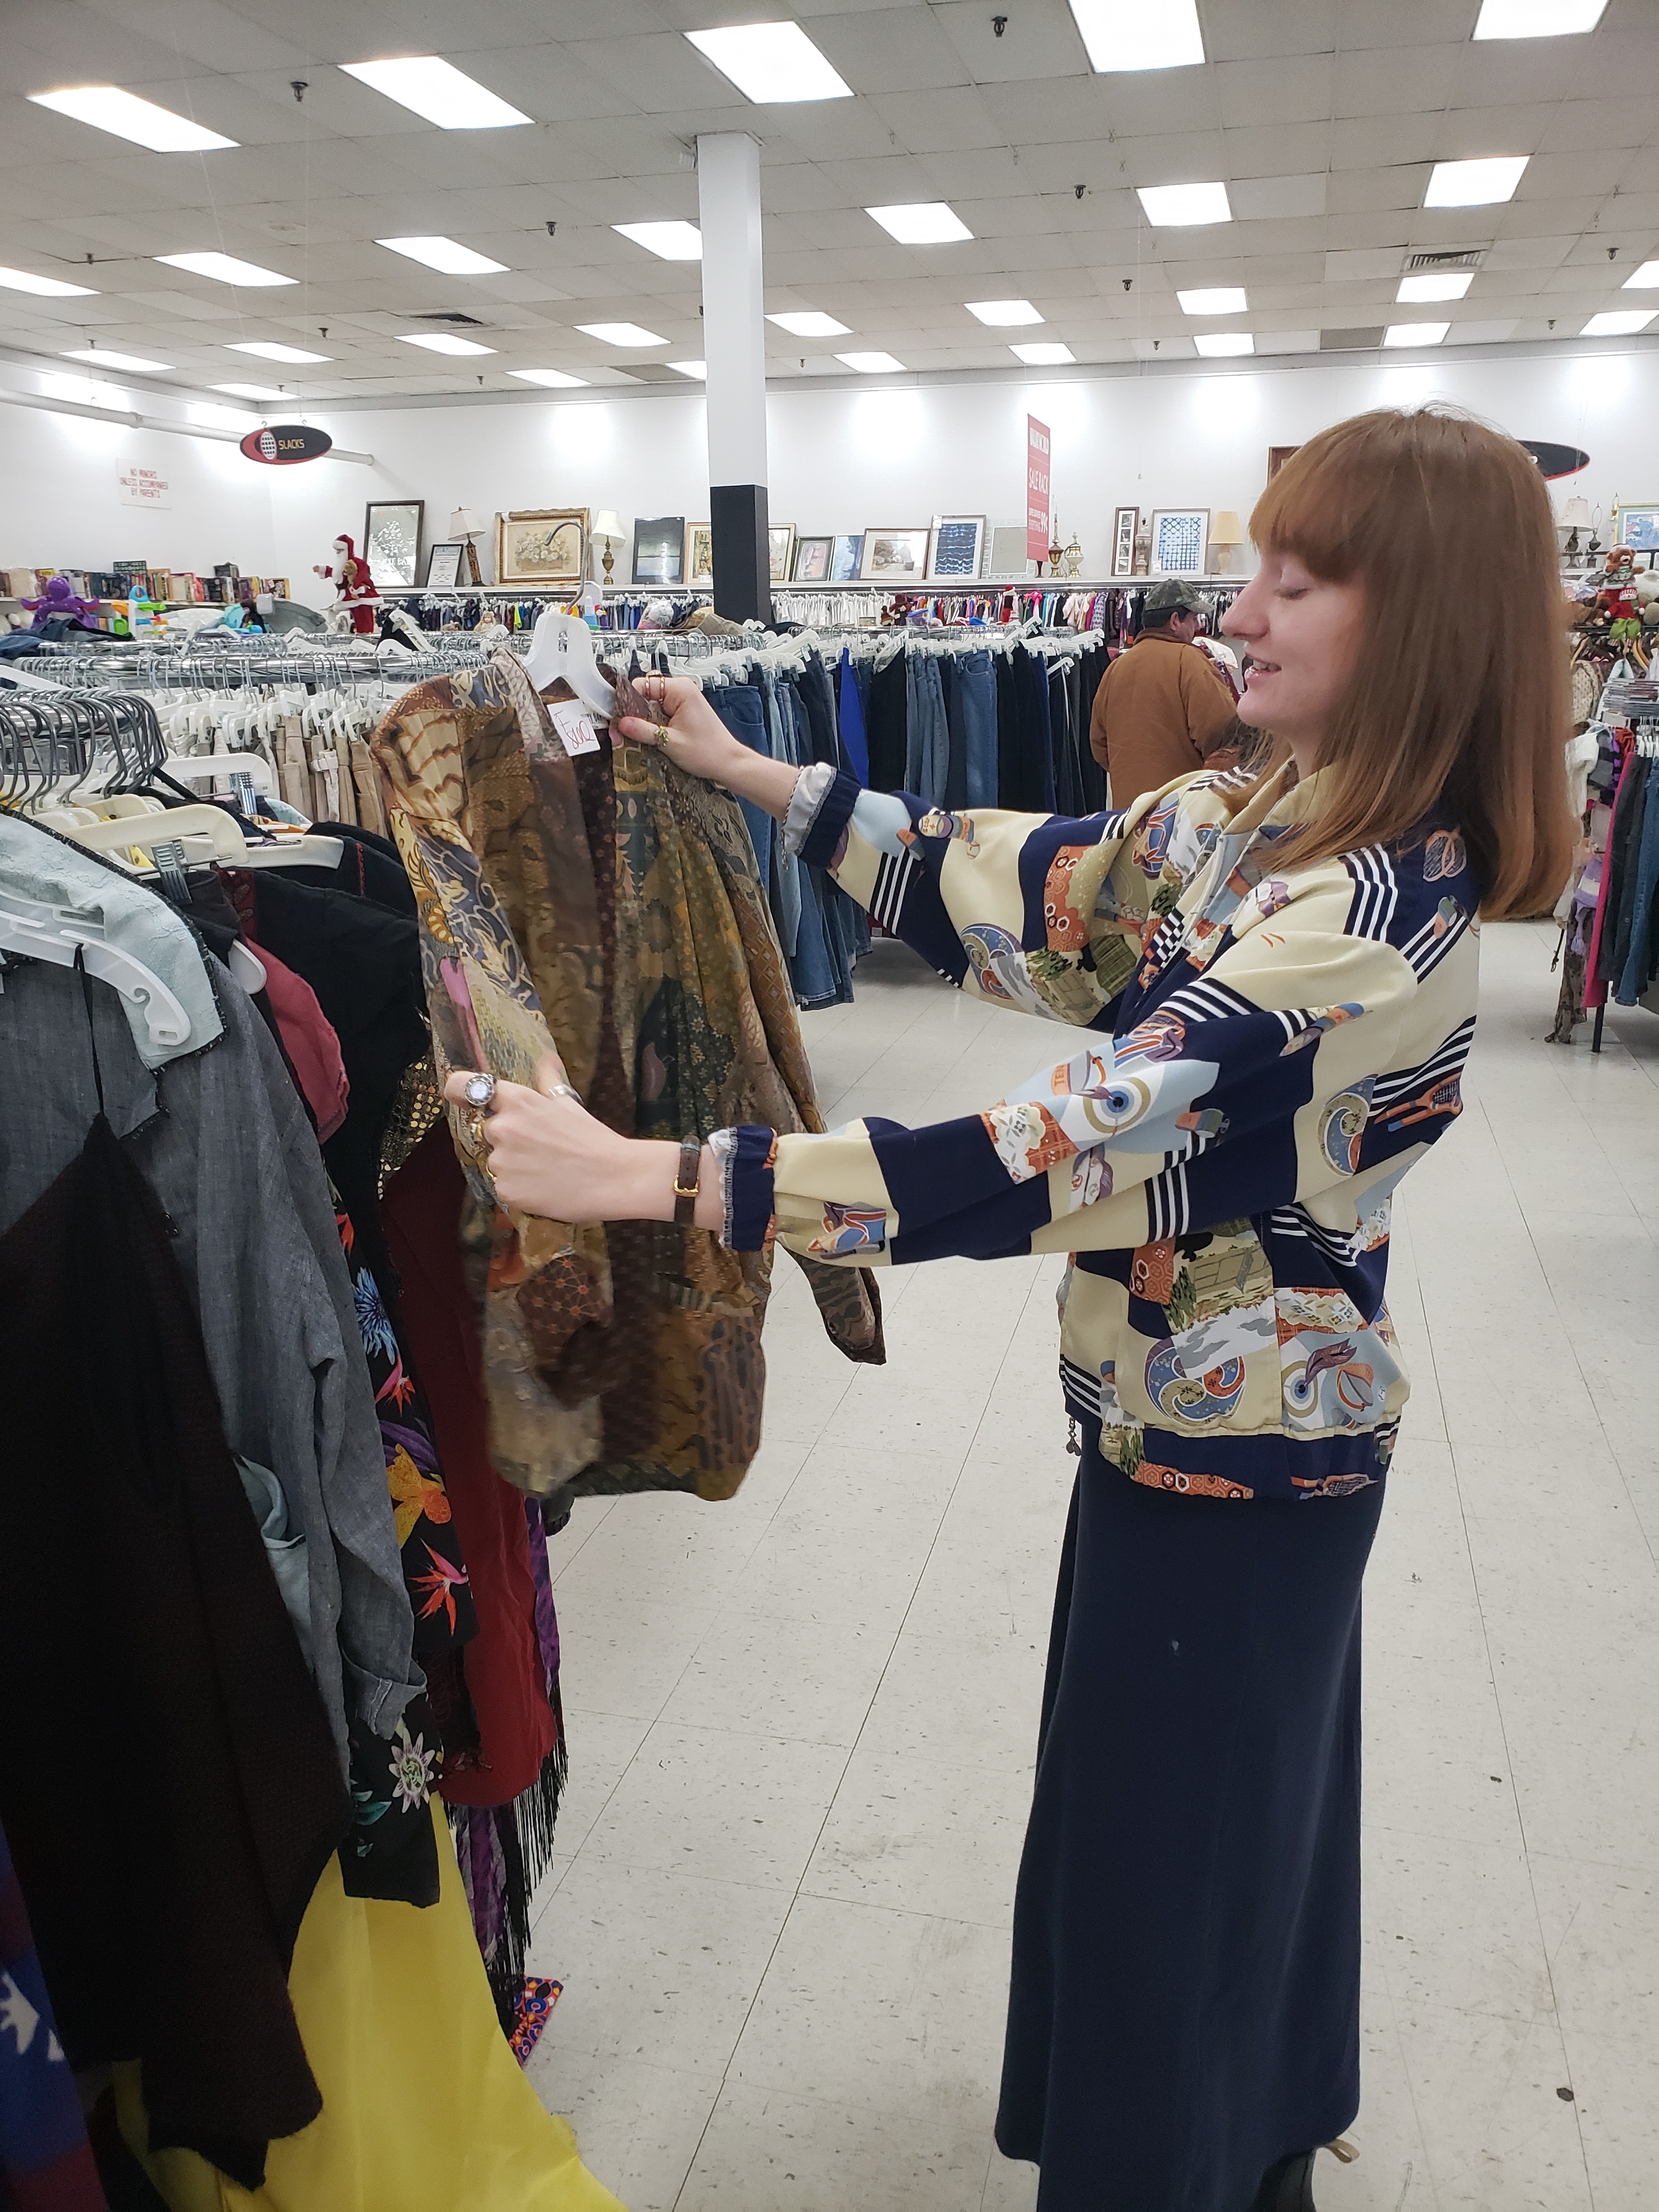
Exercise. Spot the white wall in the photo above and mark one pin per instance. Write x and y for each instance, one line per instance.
(882, 453)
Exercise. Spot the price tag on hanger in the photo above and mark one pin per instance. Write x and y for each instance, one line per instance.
(574, 725)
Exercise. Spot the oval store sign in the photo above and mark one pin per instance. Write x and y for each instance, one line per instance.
(280, 445)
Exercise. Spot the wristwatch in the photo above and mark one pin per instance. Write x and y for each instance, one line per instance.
(688, 1182)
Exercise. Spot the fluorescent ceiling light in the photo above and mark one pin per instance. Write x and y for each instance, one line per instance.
(444, 255)
(699, 369)
(48, 288)
(1414, 334)
(1044, 353)
(1622, 323)
(1171, 206)
(871, 364)
(1215, 343)
(250, 390)
(106, 107)
(86, 392)
(273, 350)
(1218, 299)
(1003, 315)
(771, 62)
(225, 267)
(1536, 19)
(101, 357)
(921, 223)
(442, 342)
(620, 334)
(555, 379)
(669, 242)
(1644, 279)
(813, 323)
(1415, 291)
(1475, 184)
(430, 86)
(223, 418)
(1128, 34)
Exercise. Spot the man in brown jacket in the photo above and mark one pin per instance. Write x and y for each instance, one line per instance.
(1161, 708)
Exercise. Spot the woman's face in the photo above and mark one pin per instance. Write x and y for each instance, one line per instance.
(1301, 634)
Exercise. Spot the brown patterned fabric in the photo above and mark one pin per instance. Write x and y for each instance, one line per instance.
(608, 903)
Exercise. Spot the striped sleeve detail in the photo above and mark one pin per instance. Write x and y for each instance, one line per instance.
(1435, 940)
(1445, 1061)
(1376, 893)
(1169, 1204)
(894, 878)
(1206, 1000)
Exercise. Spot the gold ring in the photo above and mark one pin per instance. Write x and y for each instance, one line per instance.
(475, 1124)
(662, 732)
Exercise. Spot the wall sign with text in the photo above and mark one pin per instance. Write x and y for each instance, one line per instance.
(1038, 444)
(282, 445)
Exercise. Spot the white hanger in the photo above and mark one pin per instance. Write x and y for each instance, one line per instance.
(212, 823)
(562, 648)
(185, 767)
(54, 933)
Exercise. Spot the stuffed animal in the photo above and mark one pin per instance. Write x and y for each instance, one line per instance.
(353, 587)
(1616, 601)
(60, 603)
(1647, 598)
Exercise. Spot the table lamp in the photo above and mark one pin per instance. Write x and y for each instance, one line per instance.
(464, 524)
(605, 530)
(1225, 532)
(1575, 517)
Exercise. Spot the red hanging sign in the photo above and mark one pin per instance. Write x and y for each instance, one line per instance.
(1036, 489)
(281, 445)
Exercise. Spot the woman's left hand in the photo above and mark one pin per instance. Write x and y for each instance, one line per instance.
(548, 1155)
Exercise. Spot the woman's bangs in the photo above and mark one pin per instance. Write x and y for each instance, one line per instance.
(1311, 509)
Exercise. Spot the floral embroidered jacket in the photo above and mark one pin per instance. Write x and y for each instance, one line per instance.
(1259, 1055)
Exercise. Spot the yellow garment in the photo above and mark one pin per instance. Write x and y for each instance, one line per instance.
(423, 2104)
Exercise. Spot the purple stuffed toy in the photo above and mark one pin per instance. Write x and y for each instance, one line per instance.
(60, 603)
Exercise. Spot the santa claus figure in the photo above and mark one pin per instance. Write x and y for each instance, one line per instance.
(353, 587)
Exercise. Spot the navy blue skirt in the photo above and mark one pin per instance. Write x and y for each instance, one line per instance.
(1185, 1999)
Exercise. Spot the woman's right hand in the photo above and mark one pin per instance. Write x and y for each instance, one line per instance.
(679, 720)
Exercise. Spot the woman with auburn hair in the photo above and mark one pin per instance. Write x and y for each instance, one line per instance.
(1271, 982)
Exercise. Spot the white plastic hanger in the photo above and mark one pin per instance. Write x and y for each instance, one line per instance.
(54, 933)
(562, 648)
(185, 768)
(212, 823)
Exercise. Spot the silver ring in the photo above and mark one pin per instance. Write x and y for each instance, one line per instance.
(565, 1090)
(479, 1090)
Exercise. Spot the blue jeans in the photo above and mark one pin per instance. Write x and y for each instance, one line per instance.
(976, 700)
(739, 708)
(927, 737)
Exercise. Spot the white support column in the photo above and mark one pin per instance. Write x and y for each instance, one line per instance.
(734, 352)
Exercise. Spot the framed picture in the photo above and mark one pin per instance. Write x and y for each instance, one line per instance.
(1638, 526)
(844, 561)
(392, 539)
(1180, 535)
(1276, 456)
(659, 549)
(1008, 559)
(780, 541)
(813, 557)
(958, 548)
(541, 545)
(443, 567)
(893, 557)
(1125, 520)
(700, 553)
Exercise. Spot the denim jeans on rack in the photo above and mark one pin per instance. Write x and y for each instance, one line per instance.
(813, 969)
(784, 883)
(928, 737)
(739, 708)
(853, 744)
(976, 699)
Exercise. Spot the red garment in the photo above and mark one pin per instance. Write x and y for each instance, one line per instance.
(311, 1044)
(420, 1213)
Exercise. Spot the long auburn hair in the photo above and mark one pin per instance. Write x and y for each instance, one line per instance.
(1459, 696)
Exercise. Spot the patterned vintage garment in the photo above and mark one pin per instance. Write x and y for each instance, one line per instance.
(604, 904)
(1262, 1055)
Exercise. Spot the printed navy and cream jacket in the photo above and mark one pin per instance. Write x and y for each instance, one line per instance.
(1258, 1057)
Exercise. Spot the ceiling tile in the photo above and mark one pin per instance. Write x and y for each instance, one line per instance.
(935, 122)
(1247, 30)
(1264, 150)
(1284, 89)
(1266, 197)
(1362, 191)
(911, 51)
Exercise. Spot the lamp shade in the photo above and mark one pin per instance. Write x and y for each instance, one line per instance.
(464, 523)
(605, 524)
(1576, 514)
(1225, 529)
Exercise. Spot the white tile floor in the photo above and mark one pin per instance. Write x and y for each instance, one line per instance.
(802, 1721)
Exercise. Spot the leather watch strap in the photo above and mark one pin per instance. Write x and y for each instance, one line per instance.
(688, 1182)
